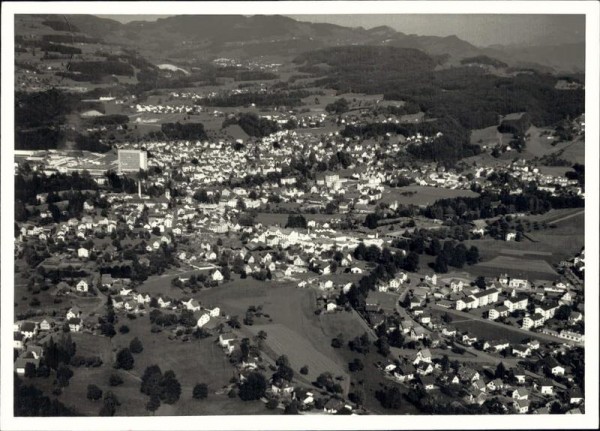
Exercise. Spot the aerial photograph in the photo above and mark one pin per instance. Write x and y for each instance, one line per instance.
(298, 215)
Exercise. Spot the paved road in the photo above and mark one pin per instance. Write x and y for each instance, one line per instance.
(525, 333)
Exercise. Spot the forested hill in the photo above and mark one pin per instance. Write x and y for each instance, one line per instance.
(369, 59)
(470, 95)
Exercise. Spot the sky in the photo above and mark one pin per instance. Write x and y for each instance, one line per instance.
(480, 30)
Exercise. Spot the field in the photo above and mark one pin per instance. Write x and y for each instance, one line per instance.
(299, 350)
(197, 361)
(515, 267)
(483, 329)
(575, 152)
(488, 136)
(386, 300)
(425, 195)
(280, 219)
(552, 245)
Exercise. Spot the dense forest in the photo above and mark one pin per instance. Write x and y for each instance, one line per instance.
(470, 95)
(101, 68)
(454, 143)
(253, 125)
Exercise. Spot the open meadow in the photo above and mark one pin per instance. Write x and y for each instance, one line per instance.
(423, 195)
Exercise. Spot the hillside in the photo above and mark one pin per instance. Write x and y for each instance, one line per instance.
(206, 37)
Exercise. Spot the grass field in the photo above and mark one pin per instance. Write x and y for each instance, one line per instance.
(272, 219)
(488, 136)
(299, 350)
(575, 152)
(515, 267)
(424, 195)
(386, 300)
(292, 312)
(484, 330)
(489, 332)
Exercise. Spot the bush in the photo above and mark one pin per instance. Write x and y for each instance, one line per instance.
(254, 387)
(125, 359)
(115, 380)
(94, 393)
(124, 329)
(200, 391)
(304, 370)
(136, 345)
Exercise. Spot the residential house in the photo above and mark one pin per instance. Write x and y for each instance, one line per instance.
(521, 350)
(203, 320)
(546, 387)
(405, 372)
(75, 324)
(28, 329)
(82, 286)
(521, 405)
(520, 394)
(534, 321)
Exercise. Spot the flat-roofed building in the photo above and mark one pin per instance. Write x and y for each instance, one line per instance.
(132, 160)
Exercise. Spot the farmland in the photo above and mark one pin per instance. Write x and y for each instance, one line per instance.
(515, 267)
(423, 195)
(300, 351)
(289, 306)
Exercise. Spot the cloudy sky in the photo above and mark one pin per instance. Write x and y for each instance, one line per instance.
(480, 30)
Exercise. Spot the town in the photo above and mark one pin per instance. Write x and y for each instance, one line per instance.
(256, 245)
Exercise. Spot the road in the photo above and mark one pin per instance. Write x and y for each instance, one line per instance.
(567, 217)
(525, 333)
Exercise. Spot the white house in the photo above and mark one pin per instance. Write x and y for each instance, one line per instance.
(217, 276)
(82, 286)
(203, 320)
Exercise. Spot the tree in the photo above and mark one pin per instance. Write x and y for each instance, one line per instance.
(291, 408)
(200, 391)
(110, 404)
(282, 360)
(284, 372)
(563, 312)
(153, 404)
(115, 380)
(63, 375)
(445, 363)
(30, 369)
(254, 387)
(94, 393)
(440, 265)
(151, 380)
(136, 345)
(472, 255)
(500, 371)
(125, 359)
(304, 370)
(171, 388)
(390, 398)
(296, 221)
(356, 365)
(124, 329)
(480, 282)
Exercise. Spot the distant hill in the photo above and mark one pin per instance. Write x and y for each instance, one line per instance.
(204, 37)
